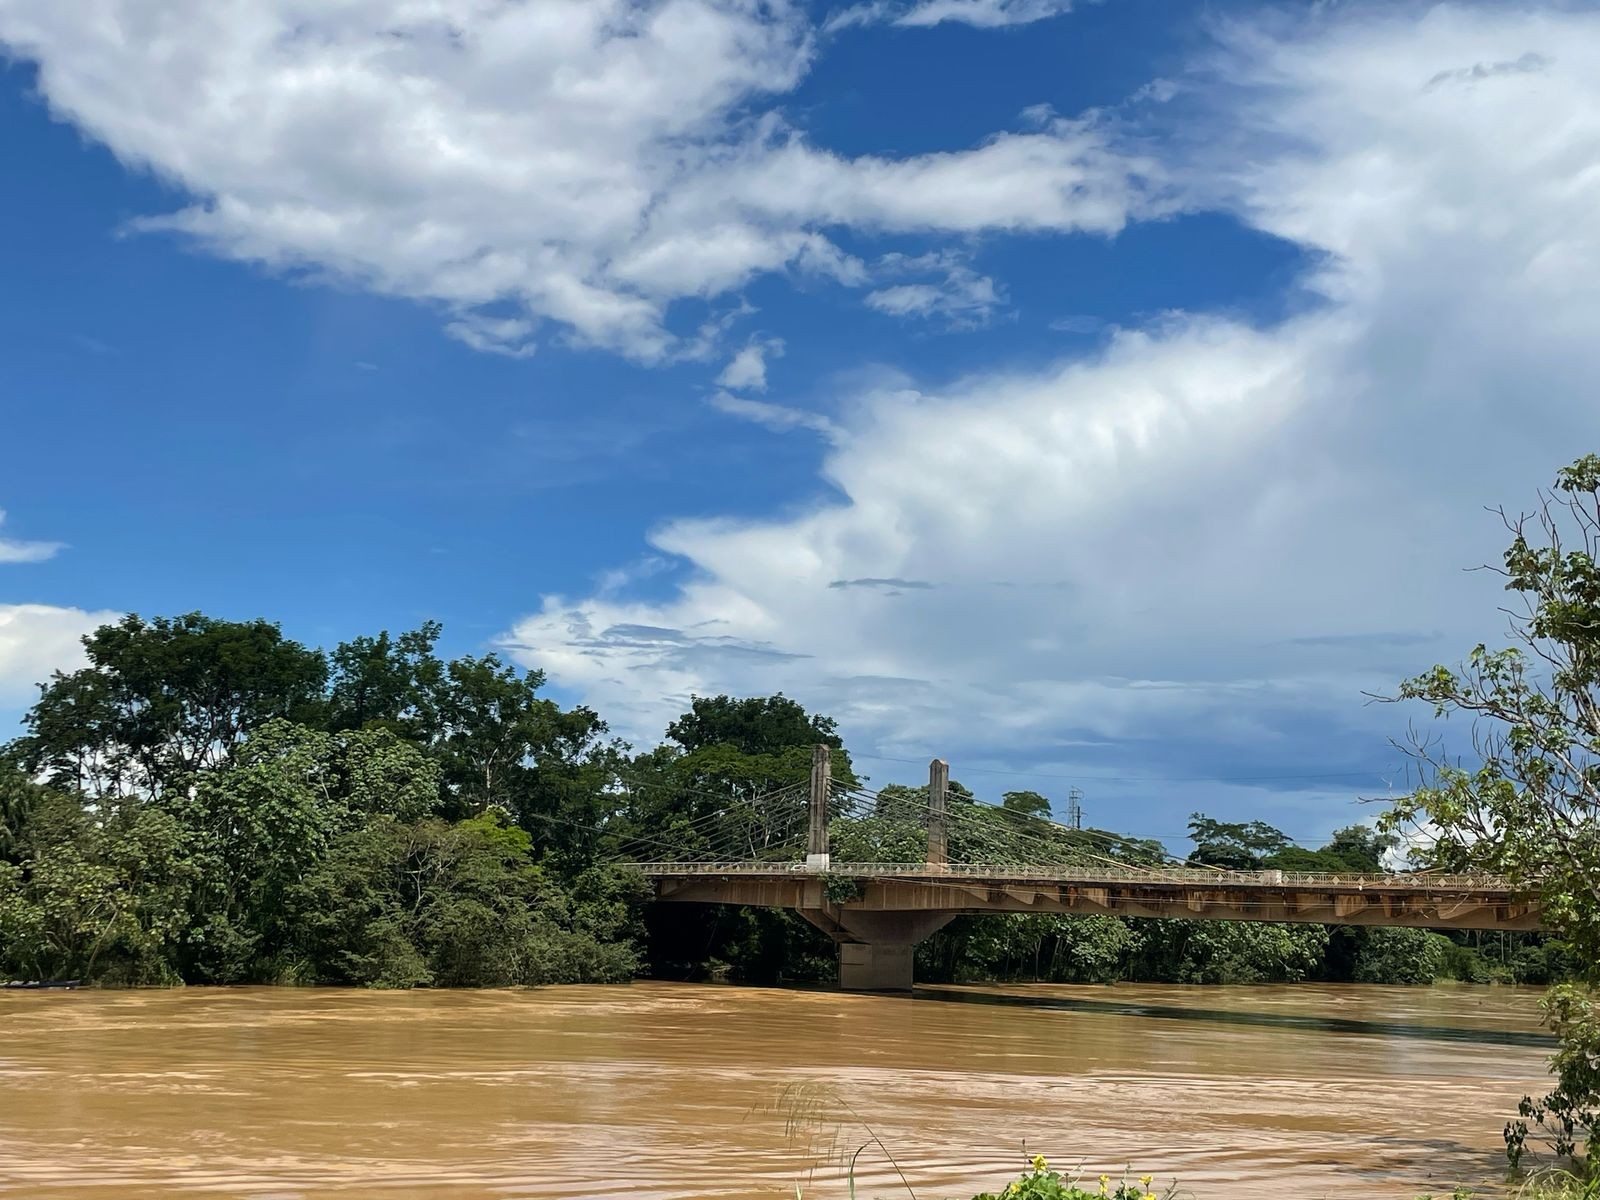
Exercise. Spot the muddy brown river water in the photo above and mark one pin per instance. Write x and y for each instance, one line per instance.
(671, 1090)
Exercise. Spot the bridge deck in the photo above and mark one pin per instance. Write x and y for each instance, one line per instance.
(1426, 901)
(1477, 884)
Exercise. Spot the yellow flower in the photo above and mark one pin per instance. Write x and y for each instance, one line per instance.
(1144, 1181)
(1104, 1179)
(1039, 1163)
(1149, 1195)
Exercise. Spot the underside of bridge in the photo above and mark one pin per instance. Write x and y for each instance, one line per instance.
(877, 928)
(877, 912)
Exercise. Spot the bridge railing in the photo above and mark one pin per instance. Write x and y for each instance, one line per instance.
(1071, 874)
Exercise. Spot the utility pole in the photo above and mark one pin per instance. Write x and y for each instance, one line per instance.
(817, 811)
(1075, 807)
(938, 827)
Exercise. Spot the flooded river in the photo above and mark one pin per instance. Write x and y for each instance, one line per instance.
(670, 1090)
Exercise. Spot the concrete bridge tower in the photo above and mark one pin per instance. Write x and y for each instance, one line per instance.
(875, 947)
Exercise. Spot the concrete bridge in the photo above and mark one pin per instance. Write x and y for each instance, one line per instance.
(877, 912)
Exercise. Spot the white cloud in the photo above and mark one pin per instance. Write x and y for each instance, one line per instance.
(38, 639)
(576, 163)
(779, 418)
(960, 296)
(1201, 545)
(13, 550)
(747, 370)
(986, 14)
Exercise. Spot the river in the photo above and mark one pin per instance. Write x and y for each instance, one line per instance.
(673, 1090)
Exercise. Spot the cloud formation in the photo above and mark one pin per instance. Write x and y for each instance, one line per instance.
(13, 550)
(37, 640)
(747, 370)
(985, 14)
(956, 295)
(575, 165)
(1243, 515)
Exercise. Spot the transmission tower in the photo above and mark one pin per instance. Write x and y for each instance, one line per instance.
(1075, 807)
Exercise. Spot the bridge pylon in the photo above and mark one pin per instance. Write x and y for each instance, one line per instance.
(875, 948)
(817, 809)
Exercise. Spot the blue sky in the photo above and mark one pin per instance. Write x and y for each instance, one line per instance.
(1101, 394)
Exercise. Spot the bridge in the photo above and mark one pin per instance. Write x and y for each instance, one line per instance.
(977, 858)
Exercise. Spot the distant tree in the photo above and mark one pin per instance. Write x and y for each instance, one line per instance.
(1135, 851)
(757, 725)
(1237, 846)
(1361, 847)
(1029, 804)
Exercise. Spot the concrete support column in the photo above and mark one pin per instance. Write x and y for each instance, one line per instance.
(817, 810)
(938, 829)
(879, 955)
(875, 966)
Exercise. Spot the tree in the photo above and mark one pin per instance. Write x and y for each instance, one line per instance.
(257, 827)
(392, 682)
(20, 797)
(755, 725)
(1528, 807)
(1029, 804)
(164, 698)
(1237, 846)
(1361, 848)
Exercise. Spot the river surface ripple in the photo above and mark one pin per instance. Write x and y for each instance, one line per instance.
(664, 1090)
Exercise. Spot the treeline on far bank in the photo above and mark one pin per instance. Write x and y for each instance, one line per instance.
(210, 802)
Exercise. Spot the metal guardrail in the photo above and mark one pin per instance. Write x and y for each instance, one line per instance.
(1180, 875)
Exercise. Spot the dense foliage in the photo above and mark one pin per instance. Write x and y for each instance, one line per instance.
(211, 802)
(208, 801)
(1526, 802)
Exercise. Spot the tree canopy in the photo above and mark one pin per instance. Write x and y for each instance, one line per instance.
(1525, 802)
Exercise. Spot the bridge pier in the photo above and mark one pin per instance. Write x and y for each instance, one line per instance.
(876, 948)
(875, 966)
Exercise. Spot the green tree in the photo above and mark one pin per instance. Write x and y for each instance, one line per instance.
(1029, 804)
(1361, 847)
(1229, 951)
(1236, 846)
(753, 726)
(256, 827)
(408, 904)
(163, 698)
(392, 682)
(1529, 808)
(20, 797)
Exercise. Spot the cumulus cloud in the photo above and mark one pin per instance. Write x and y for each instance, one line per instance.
(13, 550)
(1251, 522)
(37, 640)
(573, 166)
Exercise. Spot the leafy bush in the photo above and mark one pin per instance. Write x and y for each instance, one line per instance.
(1039, 1182)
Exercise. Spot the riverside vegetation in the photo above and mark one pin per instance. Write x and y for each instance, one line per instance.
(209, 801)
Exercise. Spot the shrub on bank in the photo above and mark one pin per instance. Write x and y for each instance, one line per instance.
(1039, 1182)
